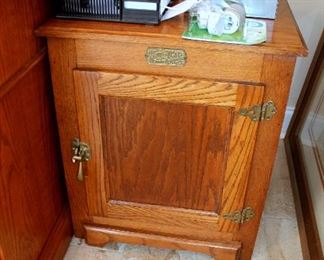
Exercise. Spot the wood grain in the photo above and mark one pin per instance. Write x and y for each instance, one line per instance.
(88, 116)
(63, 60)
(225, 251)
(22, 73)
(283, 36)
(93, 108)
(30, 185)
(122, 129)
(136, 134)
(18, 43)
(241, 150)
(277, 74)
(168, 89)
(86, 84)
(153, 156)
(214, 64)
(31, 180)
(59, 238)
(162, 220)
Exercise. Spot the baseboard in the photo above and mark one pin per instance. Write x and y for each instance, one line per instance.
(60, 237)
(288, 116)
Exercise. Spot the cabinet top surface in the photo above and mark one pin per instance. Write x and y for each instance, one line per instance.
(283, 35)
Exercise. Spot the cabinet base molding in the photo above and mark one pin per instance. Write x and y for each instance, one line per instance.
(98, 236)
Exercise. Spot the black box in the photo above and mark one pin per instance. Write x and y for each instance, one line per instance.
(132, 11)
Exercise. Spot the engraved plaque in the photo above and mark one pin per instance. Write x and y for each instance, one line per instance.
(166, 56)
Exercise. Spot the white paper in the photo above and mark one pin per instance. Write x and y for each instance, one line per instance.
(179, 9)
(140, 5)
(163, 5)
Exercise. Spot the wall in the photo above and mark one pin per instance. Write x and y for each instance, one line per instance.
(309, 15)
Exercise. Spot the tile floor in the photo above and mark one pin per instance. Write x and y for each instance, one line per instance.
(278, 237)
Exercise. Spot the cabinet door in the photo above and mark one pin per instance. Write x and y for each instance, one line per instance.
(169, 155)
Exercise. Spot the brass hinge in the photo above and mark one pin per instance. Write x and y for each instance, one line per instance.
(261, 112)
(240, 216)
(80, 153)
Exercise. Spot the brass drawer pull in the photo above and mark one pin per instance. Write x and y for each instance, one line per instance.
(166, 56)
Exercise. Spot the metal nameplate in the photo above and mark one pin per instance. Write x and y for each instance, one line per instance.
(166, 57)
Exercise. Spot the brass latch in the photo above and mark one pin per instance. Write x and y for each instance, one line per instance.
(81, 153)
(240, 216)
(260, 112)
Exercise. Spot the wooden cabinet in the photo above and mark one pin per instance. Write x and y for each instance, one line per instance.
(181, 134)
(35, 221)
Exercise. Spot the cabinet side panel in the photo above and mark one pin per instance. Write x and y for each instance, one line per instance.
(60, 237)
(277, 74)
(18, 43)
(63, 61)
(31, 193)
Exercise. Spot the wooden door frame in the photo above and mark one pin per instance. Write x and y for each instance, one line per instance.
(309, 236)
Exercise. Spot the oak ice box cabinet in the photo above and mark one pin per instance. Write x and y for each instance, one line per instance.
(168, 142)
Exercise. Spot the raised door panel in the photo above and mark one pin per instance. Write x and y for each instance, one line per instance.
(164, 153)
(169, 155)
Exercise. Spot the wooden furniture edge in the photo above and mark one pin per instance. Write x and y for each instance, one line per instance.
(43, 31)
(100, 236)
(59, 238)
(55, 28)
(63, 89)
(308, 232)
(277, 75)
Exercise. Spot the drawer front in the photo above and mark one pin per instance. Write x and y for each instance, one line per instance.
(197, 63)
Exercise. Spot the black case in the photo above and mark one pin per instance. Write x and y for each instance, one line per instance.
(108, 10)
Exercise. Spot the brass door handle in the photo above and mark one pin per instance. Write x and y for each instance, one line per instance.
(81, 153)
(76, 159)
